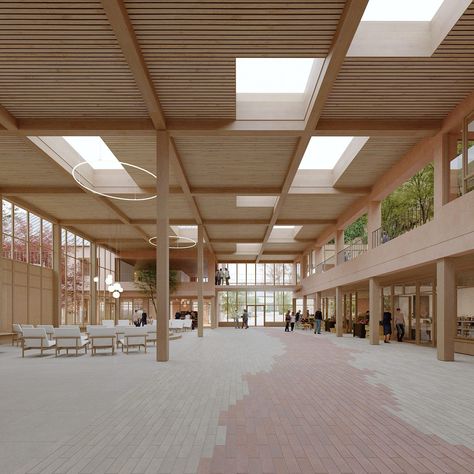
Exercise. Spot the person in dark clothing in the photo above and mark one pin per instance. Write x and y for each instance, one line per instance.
(144, 319)
(387, 326)
(177, 315)
(287, 321)
(318, 317)
(297, 316)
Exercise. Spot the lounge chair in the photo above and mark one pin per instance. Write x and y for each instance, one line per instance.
(123, 322)
(176, 324)
(35, 338)
(151, 333)
(17, 334)
(133, 337)
(109, 323)
(49, 329)
(187, 324)
(101, 338)
(70, 338)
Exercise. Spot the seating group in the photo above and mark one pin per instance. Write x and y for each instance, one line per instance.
(97, 337)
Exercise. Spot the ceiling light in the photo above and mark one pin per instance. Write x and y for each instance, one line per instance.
(401, 10)
(272, 75)
(95, 152)
(322, 153)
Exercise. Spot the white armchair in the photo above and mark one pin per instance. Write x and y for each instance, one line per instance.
(49, 328)
(17, 334)
(109, 323)
(133, 337)
(101, 338)
(35, 338)
(70, 338)
(151, 333)
(187, 324)
(123, 322)
(176, 324)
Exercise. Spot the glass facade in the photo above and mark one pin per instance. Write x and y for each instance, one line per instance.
(251, 274)
(263, 306)
(26, 237)
(105, 301)
(75, 279)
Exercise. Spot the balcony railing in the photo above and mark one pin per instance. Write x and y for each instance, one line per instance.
(353, 250)
(411, 220)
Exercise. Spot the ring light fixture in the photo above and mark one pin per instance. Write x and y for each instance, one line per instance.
(139, 168)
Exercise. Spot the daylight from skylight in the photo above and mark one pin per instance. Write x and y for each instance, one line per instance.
(95, 152)
(401, 10)
(323, 153)
(256, 201)
(272, 75)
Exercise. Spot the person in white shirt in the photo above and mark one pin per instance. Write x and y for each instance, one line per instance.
(400, 324)
(292, 321)
(226, 276)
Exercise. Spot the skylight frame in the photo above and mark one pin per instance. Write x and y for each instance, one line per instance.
(326, 155)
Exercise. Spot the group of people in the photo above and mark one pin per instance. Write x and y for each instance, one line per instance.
(140, 318)
(387, 325)
(292, 318)
(245, 320)
(222, 275)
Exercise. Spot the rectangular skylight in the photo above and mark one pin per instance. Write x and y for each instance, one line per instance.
(247, 249)
(256, 201)
(95, 152)
(272, 75)
(401, 10)
(323, 153)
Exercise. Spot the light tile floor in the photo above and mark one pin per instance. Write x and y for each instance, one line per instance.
(239, 402)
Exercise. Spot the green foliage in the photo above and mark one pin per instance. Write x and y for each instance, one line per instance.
(145, 280)
(356, 230)
(410, 205)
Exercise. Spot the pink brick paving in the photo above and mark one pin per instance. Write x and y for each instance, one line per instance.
(315, 413)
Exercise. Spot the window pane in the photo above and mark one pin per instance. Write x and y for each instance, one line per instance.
(20, 223)
(7, 217)
(7, 247)
(250, 274)
(241, 274)
(19, 250)
(34, 243)
(269, 274)
(260, 273)
(278, 273)
(288, 273)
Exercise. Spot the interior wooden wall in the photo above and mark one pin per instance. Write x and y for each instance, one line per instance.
(26, 294)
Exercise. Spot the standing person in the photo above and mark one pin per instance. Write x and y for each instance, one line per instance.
(287, 321)
(144, 319)
(400, 324)
(292, 321)
(387, 326)
(298, 316)
(221, 276)
(318, 317)
(217, 276)
(226, 276)
(245, 319)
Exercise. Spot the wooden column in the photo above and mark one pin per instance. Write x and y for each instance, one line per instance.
(339, 312)
(441, 171)
(434, 316)
(162, 247)
(446, 308)
(293, 305)
(93, 284)
(374, 221)
(392, 307)
(417, 313)
(317, 301)
(375, 311)
(200, 275)
(305, 305)
(117, 300)
(339, 246)
(57, 275)
(213, 312)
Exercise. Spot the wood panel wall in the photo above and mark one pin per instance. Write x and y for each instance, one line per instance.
(26, 294)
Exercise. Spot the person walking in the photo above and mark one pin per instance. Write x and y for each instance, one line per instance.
(144, 319)
(245, 319)
(287, 321)
(226, 276)
(292, 321)
(387, 326)
(400, 324)
(318, 318)
(297, 316)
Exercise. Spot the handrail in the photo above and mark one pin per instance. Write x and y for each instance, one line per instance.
(351, 251)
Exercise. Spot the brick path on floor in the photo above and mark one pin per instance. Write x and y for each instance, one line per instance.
(314, 412)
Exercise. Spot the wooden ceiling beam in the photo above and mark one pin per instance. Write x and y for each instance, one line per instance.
(7, 120)
(348, 24)
(120, 22)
